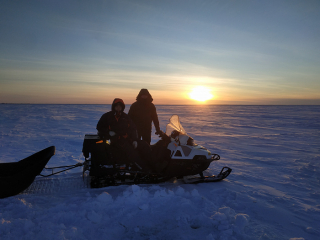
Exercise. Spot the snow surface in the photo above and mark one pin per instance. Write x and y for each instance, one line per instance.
(272, 193)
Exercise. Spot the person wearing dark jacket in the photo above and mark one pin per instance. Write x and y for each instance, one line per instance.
(119, 128)
(143, 113)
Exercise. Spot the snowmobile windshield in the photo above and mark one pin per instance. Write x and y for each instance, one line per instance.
(177, 132)
(175, 124)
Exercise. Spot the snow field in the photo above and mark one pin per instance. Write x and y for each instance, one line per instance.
(273, 191)
(135, 213)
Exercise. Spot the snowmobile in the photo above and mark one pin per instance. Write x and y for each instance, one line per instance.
(175, 155)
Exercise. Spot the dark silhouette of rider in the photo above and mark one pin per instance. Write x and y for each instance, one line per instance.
(119, 128)
(143, 113)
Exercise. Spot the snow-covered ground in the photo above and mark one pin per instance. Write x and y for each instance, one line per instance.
(272, 193)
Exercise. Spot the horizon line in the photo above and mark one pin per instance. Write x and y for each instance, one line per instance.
(221, 104)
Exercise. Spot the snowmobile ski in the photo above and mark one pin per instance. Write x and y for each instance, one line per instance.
(225, 171)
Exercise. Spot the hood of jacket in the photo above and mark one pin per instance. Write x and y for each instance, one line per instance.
(144, 92)
(118, 101)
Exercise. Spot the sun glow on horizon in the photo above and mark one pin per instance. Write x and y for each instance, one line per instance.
(201, 94)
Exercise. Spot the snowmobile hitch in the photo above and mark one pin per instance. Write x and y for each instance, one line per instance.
(69, 167)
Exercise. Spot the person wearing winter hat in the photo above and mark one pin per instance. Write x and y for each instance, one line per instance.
(143, 113)
(118, 127)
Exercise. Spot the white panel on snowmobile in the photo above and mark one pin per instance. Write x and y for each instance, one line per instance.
(178, 153)
(172, 146)
(186, 150)
(183, 139)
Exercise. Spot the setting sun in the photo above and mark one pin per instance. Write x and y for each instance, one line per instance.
(201, 94)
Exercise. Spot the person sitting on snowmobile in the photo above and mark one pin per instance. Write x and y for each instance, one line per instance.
(118, 127)
(143, 113)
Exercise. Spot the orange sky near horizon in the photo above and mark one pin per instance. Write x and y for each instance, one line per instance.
(246, 53)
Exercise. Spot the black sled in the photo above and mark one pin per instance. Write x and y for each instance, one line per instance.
(15, 177)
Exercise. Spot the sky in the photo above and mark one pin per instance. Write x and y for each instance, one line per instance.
(90, 52)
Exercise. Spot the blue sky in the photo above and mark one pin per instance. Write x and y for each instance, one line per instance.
(245, 52)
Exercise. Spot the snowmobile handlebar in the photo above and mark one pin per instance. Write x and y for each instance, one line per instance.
(163, 136)
(159, 133)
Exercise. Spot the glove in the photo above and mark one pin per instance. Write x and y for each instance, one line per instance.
(158, 132)
(134, 144)
(112, 133)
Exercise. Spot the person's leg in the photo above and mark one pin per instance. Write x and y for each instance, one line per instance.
(144, 150)
(146, 136)
(141, 134)
(160, 156)
(157, 159)
(135, 157)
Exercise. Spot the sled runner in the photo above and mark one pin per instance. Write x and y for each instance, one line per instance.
(17, 176)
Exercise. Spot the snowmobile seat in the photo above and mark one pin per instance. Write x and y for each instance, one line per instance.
(101, 151)
(104, 157)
